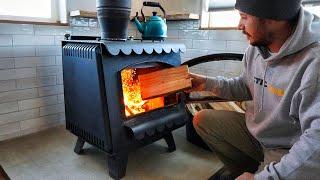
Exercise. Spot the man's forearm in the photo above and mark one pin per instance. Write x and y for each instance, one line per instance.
(229, 88)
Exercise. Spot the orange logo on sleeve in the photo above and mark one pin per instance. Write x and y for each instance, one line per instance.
(276, 91)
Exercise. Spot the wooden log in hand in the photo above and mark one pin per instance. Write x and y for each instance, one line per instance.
(164, 82)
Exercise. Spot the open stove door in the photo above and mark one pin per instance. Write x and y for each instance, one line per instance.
(191, 133)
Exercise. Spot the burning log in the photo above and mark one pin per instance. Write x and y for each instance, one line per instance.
(163, 82)
(128, 111)
(134, 104)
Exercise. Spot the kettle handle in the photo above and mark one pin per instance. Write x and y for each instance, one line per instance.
(154, 4)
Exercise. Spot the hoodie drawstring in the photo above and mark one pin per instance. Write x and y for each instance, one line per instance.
(263, 86)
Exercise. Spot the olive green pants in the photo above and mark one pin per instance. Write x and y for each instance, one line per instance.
(225, 132)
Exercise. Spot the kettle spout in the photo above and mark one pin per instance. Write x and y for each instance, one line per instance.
(138, 24)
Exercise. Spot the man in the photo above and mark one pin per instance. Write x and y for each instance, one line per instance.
(282, 78)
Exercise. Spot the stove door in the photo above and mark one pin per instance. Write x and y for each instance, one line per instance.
(157, 122)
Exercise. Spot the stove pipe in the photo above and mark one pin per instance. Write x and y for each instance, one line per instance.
(113, 17)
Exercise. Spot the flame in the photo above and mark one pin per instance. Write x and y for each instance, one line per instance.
(132, 95)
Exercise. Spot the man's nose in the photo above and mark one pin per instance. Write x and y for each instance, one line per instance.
(240, 26)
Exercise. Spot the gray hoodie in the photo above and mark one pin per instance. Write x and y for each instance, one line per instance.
(285, 93)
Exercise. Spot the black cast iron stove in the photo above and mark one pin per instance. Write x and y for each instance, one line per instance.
(97, 77)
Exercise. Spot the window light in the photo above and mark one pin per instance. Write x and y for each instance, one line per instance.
(51, 11)
(313, 9)
(29, 8)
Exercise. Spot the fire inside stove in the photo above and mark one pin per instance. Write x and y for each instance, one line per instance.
(133, 102)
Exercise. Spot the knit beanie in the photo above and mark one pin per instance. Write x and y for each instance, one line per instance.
(270, 9)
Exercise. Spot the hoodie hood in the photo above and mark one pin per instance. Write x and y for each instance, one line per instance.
(305, 34)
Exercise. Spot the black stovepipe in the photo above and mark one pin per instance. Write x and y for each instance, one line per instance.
(113, 17)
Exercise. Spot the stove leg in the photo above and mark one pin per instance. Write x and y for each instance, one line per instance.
(79, 145)
(117, 165)
(170, 141)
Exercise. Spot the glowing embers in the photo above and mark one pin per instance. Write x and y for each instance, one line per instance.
(132, 95)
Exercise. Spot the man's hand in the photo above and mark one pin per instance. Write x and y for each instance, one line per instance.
(198, 82)
(245, 176)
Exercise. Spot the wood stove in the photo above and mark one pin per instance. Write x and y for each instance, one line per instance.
(102, 102)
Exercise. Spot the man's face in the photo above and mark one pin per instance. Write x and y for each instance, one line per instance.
(255, 29)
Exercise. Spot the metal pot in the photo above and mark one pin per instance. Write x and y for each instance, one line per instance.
(113, 17)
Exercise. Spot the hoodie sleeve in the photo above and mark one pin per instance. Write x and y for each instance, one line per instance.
(230, 88)
(303, 159)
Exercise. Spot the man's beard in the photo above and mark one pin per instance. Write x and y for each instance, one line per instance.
(259, 42)
(265, 38)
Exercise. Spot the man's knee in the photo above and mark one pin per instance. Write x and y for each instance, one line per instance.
(207, 119)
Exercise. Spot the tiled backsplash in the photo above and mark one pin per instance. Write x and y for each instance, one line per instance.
(31, 84)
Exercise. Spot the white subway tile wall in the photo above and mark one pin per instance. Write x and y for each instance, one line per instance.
(6, 63)
(5, 40)
(31, 81)
(30, 65)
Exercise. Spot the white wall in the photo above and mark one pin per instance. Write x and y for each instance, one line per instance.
(171, 6)
(87, 5)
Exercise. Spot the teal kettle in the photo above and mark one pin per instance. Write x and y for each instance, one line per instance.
(155, 28)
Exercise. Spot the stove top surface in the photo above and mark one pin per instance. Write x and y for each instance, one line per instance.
(131, 46)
